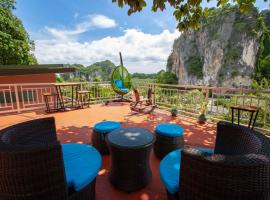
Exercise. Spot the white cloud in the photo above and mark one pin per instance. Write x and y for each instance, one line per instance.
(90, 22)
(101, 21)
(142, 52)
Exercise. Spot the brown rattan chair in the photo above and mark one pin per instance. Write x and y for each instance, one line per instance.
(145, 105)
(238, 169)
(32, 167)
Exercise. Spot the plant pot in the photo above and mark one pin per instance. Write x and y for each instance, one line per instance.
(202, 119)
(174, 112)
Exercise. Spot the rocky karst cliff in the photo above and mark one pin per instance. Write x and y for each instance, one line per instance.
(222, 53)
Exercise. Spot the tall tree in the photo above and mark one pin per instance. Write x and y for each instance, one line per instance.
(187, 12)
(15, 44)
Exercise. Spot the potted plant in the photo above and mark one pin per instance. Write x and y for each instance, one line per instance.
(174, 111)
(202, 118)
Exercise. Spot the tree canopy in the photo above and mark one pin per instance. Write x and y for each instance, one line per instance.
(187, 12)
(15, 44)
(166, 77)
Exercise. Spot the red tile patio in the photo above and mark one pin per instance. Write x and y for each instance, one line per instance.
(76, 126)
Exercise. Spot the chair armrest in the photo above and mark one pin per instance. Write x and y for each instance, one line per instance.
(38, 131)
(233, 139)
(216, 176)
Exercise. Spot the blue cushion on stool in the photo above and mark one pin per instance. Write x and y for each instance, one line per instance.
(170, 130)
(82, 163)
(106, 126)
(169, 169)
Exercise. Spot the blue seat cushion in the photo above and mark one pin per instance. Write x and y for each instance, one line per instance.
(82, 164)
(170, 130)
(169, 169)
(118, 84)
(106, 126)
(124, 90)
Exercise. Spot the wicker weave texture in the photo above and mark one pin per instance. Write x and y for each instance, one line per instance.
(99, 142)
(31, 164)
(164, 144)
(231, 176)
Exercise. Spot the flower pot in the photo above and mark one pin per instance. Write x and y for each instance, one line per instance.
(174, 112)
(202, 119)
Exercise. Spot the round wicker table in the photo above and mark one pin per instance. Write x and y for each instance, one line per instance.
(130, 150)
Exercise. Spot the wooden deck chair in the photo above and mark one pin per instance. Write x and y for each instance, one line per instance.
(143, 105)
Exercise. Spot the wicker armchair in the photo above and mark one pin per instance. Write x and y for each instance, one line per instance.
(32, 164)
(238, 169)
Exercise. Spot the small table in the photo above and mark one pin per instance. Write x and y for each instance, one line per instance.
(74, 86)
(251, 109)
(130, 150)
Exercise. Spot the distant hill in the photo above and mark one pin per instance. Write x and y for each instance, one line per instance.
(102, 71)
(99, 71)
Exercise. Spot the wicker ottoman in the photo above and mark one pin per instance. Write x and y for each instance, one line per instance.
(130, 158)
(168, 138)
(100, 131)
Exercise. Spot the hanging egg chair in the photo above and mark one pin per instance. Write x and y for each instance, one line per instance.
(121, 80)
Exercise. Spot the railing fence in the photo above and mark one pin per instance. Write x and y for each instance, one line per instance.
(187, 99)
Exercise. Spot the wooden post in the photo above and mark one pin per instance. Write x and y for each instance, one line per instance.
(154, 91)
(206, 99)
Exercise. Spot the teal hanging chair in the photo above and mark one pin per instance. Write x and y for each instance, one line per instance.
(121, 80)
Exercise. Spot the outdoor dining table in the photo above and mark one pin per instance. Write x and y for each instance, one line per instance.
(74, 88)
(130, 150)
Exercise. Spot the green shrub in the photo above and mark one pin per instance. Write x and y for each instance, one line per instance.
(234, 73)
(167, 78)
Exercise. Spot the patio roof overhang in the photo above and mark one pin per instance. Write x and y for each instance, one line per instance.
(6, 70)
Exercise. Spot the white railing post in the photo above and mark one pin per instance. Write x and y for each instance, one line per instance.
(17, 98)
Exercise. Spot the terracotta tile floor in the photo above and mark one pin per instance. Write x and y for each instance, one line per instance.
(76, 126)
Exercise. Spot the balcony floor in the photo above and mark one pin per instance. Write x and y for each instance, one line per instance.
(76, 126)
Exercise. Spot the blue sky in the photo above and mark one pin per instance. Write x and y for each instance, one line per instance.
(87, 31)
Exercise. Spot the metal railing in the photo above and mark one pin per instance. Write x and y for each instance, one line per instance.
(187, 99)
(23, 97)
(190, 99)
(29, 96)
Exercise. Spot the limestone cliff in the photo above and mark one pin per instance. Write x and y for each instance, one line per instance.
(221, 53)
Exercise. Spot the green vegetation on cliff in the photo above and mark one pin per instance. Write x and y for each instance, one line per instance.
(195, 66)
(263, 60)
